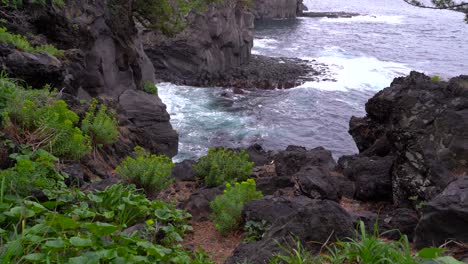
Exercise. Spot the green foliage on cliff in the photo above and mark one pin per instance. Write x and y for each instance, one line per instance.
(21, 43)
(37, 119)
(168, 16)
(148, 171)
(100, 124)
(227, 208)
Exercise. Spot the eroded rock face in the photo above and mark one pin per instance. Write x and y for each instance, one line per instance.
(271, 9)
(445, 217)
(424, 125)
(316, 183)
(216, 40)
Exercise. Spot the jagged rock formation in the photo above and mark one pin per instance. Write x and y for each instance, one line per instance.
(277, 9)
(103, 57)
(422, 125)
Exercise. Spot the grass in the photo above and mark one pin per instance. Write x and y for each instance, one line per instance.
(21, 43)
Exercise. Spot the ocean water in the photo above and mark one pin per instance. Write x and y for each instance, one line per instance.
(364, 54)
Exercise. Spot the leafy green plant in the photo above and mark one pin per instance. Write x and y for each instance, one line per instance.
(146, 170)
(37, 119)
(75, 227)
(220, 166)
(227, 208)
(100, 124)
(150, 87)
(254, 230)
(21, 43)
(33, 172)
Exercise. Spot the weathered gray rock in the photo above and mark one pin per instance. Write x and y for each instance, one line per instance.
(372, 176)
(445, 217)
(291, 160)
(424, 125)
(184, 171)
(316, 183)
(149, 120)
(274, 9)
(37, 69)
(198, 205)
(216, 40)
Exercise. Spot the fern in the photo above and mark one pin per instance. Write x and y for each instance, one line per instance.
(100, 125)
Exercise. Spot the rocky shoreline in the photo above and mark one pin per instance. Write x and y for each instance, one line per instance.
(410, 173)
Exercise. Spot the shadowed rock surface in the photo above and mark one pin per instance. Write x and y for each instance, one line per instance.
(277, 9)
(445, 217)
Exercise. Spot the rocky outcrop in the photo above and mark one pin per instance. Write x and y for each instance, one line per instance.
(422, 125)
(216, 40)
(291, 160)
(104, 57)
(445, 217)
(292, 218)
(277, 9)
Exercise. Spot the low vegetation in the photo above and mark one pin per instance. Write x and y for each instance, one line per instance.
(148, 171)
(365, 249)
(227, 208)
(100, 124)
(21, 43)
(38, 119)
(221, 166)
(150, 87)
(20, 3)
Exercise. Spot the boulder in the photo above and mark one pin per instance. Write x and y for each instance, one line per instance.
(184, 171)
(37, 69)
(445, 217)
(291, 160)
(198, 205)
(372, 176)
(258, 155)
(271, 185)
(424, 125)
(316, 183)
(289, 217)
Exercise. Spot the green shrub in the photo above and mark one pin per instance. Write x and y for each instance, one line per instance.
(33, 172)
(227, 208)
(436, 78)
(150, 87)
(37, 119)
(100, 125)
(220, 166)
(147, 171)
(21, 43)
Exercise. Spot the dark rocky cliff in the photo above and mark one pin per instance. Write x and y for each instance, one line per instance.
(103, 57)
(277, 9)
(218, 39)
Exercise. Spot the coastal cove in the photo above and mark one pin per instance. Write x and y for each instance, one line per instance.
(363, 55)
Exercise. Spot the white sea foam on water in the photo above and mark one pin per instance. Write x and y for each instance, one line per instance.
(358, 73)
(387, 19)
(265, 43)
